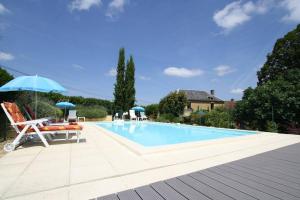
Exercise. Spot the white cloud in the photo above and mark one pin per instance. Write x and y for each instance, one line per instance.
(115, 7)
(222, 70)
(3, 10)
(237, 91)
(6, 56)
(76, 66)
(112, 72)
(293, 8)
(144, 78)
(82, 5)
(182, 72)
(237, 13)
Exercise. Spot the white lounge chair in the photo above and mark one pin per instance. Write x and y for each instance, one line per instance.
(33, 127)
(143, 116)
(116, 117)
(132, 115)
(72, 116)
(124, 115)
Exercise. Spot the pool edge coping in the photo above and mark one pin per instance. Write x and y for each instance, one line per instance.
(142, 150)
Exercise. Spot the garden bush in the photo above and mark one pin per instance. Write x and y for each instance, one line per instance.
(91, 111)
(197, 117)
(272, 127)
(46, 109)
(152, 111)
(219, 117)
(173, 103)
(169, 118)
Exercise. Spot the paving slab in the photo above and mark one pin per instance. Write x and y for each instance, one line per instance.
(100, 165)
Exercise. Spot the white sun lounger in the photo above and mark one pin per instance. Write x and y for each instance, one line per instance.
(132, 115)
(143, 116)
(23, 127)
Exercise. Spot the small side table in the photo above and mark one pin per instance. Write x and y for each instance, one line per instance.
(78, 118)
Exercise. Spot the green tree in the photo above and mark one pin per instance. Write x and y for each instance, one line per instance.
(119, 93)
(219, 117)
(174, 103)
(274, 103)
(129, 84)
(284, 57)
(5, 96)
(4, 78)
(152, 111)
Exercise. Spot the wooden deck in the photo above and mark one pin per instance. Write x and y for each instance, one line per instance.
(270, 175)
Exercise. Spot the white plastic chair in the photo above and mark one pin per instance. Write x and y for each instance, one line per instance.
(72, 116)
(124, 115)
(132, 115)
(143, 116)
(116, 117)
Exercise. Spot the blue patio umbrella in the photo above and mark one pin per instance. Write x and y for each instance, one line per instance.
(138, 108)
(33, 83)
(65, 105)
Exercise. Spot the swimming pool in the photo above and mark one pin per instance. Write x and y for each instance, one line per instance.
(152, 134)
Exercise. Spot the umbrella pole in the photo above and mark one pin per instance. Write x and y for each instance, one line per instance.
(35, 105)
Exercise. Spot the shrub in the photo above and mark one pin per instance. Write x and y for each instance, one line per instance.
(198, 117)
(169, 118)
(91, 111)
(46, 109)
(78, 100)
(219, 117)
(271, 127)
(152, 111)
(173, 103)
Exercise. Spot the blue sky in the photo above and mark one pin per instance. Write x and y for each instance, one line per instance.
(203, 45)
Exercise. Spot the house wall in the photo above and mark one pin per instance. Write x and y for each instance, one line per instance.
(204, 105)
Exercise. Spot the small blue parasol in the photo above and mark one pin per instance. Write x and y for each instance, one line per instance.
(138, 108)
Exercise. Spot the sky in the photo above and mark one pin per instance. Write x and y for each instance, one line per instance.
(176, 44)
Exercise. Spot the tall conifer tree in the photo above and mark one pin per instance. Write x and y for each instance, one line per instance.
(119, 93)
(130, 84)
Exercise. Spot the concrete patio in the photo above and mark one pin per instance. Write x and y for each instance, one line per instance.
(101, 165)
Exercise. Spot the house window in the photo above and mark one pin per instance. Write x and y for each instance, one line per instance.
(212, 106)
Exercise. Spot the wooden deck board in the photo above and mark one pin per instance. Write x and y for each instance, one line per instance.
(203, 188)
(260, 180)
(275, 167)
(167, 192)
(185, 190)
(109, 197)
(238, 185)
(225, 189)
(253, 184)
(148, 193)
(270, 175)
(129, 194)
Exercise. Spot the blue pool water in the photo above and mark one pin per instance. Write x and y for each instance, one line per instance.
(151, 134)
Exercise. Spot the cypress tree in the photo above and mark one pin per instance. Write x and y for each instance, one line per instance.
(119, 93)
(129, 84)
